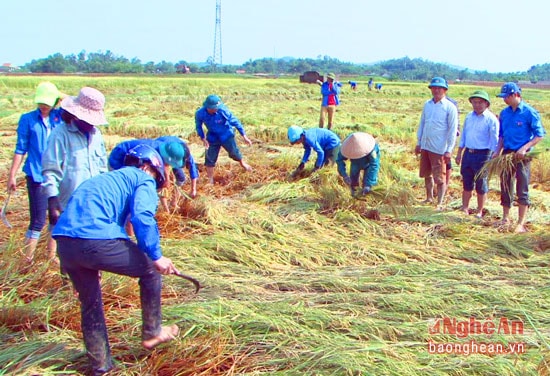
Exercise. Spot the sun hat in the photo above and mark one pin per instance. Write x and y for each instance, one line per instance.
(480, 94)
(357, 145)
(172, 153)
(212, 102)
(46, 93)
(438, 82)
(294, 133)
(508, 89)
(331, 75)
(88, 106)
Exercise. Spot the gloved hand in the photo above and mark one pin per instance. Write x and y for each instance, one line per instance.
(366, 190)
(347, 180)
(54, 209)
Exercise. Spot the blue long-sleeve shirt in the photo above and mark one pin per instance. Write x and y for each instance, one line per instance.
(369, 163)
(321, 140)
(520, 126)
(220, 125)
(32, 139)
(116, 158)
(99, 207)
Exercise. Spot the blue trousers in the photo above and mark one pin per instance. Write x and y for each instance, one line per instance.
(82, 259)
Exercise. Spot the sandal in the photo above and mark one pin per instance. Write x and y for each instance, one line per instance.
(167, 333)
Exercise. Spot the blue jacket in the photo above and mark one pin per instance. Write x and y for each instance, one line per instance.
(520, 126)
(100, 206)
(321, 140)
(325, 91)
(219, 125)
(32, 139)
(369, 163)
(116, 158)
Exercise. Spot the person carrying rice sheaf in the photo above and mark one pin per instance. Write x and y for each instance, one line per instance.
(364, 154)
(326, 144)
(520, 129)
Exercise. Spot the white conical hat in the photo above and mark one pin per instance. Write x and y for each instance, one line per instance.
(357, 145)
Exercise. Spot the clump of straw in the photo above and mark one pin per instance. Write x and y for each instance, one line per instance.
(504, 164)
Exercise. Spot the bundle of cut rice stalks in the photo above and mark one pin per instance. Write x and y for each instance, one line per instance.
(505, 164)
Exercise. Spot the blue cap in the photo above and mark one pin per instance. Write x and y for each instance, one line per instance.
(438, 82)
(212, 102)
(508, 89)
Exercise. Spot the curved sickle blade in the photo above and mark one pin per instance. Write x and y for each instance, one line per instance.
(190, 279)
(3, 214)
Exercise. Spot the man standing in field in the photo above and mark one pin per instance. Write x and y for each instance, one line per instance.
(330, 90)
(520, 129)
(477, 143)
(436, 137)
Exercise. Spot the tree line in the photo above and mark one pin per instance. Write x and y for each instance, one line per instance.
(403, 69)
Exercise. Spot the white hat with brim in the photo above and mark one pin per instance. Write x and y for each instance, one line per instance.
(88, 106)
(357, 145)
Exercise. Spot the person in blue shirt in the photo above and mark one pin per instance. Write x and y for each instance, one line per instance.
(353, 85)
(478, 142)
(33, 131)
(370, 84)
(330, 90)
(91, 237)
(326, 144)
(220, 124)
(174, 151)
(520, 129)
(364, 154)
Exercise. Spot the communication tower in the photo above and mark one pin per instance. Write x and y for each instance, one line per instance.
(217, 55)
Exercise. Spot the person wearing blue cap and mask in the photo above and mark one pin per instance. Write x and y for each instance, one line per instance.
(520, 129)
(436, 137)
(174, 151)
(220, 124)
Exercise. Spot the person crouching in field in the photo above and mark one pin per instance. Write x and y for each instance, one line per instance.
(219, 122)
(520, 129)
(174, 152)
(364, 154)
(91, 238)
(326, 144)
(33, 131)
(477, 144)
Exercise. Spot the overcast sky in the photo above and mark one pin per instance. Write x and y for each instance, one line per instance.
(487, 35)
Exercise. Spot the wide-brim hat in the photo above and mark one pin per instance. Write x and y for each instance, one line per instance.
(331, 75)
(87, 106)
(357, 145)
(46, 93)
(172, 153)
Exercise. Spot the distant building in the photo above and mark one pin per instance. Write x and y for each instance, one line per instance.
(7, 67)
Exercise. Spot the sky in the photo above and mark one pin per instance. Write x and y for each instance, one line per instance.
(485, 35)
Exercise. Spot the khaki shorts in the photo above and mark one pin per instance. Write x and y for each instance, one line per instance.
(432, 164)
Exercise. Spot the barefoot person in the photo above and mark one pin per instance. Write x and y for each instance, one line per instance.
(91, 238)
(436, 137)
(477, 143)
(520, 129)
(220, 124)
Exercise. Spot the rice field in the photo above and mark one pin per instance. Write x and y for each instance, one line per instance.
(298, 277)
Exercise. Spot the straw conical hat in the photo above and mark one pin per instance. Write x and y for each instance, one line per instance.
(357, 145)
